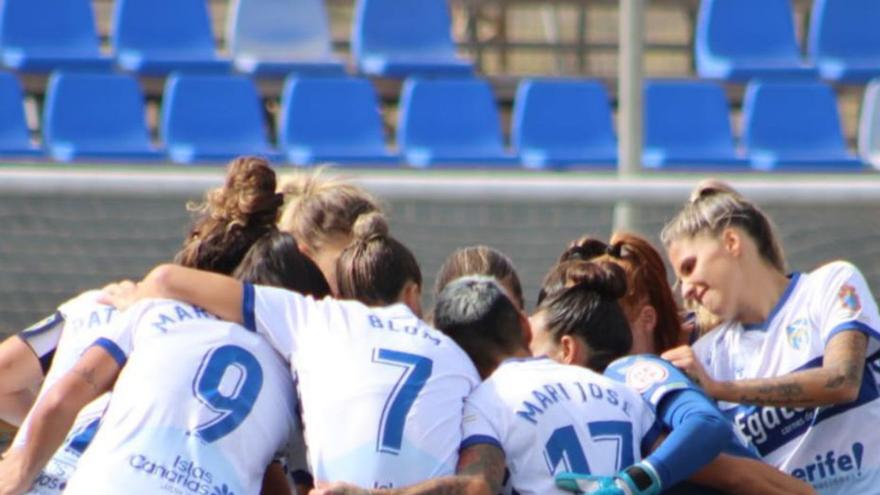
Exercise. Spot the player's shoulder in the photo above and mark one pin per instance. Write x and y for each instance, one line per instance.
(85, 301)
(648, 374)
(831, 275)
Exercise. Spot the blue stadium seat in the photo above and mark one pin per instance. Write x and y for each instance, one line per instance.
(43, 35)
(14, 136)
(155, 37)
(687, 125)
(794, 126)
(274, 38)
(450, 122)
(332, 120)
(845, 39)
(558, 123)
(213, 118)
(96, 116)
(737, 40)
(399, 39)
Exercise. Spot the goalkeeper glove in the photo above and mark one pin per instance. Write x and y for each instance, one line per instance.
(638, 479)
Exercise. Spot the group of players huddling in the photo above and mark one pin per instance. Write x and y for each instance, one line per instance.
(285, 349)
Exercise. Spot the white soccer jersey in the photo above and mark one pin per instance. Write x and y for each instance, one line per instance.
(549, 417)
(59, 341)
(382, 392)
(201, 406)
(835, 448)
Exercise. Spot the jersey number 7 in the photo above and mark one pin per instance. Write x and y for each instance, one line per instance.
(416, 371)
(564, 447)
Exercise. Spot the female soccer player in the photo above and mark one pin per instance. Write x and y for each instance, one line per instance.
(381, 391)
(211, 427)
(789, 361)
(653, 318)
(320, 212)
(229, 221)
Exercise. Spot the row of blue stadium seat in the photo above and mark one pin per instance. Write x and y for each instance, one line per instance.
(738, 40)
(455, 122)
(266, 37)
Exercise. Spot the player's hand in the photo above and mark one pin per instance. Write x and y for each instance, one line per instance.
(589, 484)
(337, 488)
(121, 295)
(14, 479)
(684, 358)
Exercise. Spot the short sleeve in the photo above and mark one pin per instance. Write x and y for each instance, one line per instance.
(652, 377)
(480, 420)
(279, 315)
(117, 338)
(846, 303)
(43, 337)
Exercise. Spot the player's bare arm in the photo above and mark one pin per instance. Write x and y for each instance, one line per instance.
(218, 294)
(53, 416)
(480, 472)
(20, 375)
(838, 380)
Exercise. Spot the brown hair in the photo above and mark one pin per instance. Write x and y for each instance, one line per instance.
(713, 209)
(275, 260)
(480, 260)
(375, 267)
(232, 217)
(646, 277)
(318, 208)
(587, 308)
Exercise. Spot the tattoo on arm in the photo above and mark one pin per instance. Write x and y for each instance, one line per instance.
(88, 376)
(486, 461)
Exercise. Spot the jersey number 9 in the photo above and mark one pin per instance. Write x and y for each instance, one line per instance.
(228, 383)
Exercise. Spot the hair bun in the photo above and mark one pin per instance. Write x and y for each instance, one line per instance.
(606, 278)
(369, 226)
(710, 187)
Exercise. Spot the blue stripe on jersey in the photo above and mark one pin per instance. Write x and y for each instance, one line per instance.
(42, 326)
(480, 439)
(46, 361)
(764, 325)
(772, 427)
(247, 307)
(112, 349)
(855, 326)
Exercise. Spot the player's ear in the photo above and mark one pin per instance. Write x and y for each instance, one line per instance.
(731, 239)
(411, 295)
(572, 350)
(526, 329)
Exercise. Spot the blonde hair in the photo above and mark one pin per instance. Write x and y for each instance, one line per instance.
(712, 209)
(319, 208)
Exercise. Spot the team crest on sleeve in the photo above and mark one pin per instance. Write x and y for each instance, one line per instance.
(798, 334)
(645, 374)
(849, 298)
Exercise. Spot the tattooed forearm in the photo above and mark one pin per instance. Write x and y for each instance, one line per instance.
(486, 461)
(88, 376)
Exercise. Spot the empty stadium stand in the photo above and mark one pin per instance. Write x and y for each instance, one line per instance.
(274, 38)
(844, 41)
(687, 126)
(213, 118)
(794, 126)
(450, 123)
(96, 117)
(15, 139)
(563, 123)
(332, 120)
